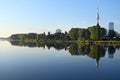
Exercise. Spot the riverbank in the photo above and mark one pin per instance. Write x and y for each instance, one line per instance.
(110, 42)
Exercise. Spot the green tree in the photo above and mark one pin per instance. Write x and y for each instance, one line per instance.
(21, 37)
(73, 33)
(84, 34)
(112, 34)
(14, 37)
(97, 32)
(92, 31)
(102, 33)
(37, 37)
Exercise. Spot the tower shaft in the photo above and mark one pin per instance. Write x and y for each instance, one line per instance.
(98, 16)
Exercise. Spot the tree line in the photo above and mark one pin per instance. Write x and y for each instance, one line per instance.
(33, 37)
(91, 33)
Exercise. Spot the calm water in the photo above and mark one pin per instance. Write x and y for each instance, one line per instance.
(33, 61)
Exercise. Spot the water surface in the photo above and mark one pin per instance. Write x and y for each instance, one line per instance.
(35, 61)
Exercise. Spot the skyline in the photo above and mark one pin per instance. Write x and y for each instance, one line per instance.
(24, 16)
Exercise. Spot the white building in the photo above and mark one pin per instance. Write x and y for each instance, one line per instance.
(111, 26)
(58, 30)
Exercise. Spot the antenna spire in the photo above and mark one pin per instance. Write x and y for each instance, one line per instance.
(98, 15)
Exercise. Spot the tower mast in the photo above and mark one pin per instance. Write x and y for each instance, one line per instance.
(98, 15)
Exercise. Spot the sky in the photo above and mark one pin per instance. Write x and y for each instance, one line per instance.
(38, 16)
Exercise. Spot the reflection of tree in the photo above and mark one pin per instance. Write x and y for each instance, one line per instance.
(84, 49)
(28, 44)
(92, 51)
(73, 49)
(15, 43)
(57, 46)
(96, 52)
(117, 47)
(111, 51)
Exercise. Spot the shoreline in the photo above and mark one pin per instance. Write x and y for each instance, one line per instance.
(100, 42)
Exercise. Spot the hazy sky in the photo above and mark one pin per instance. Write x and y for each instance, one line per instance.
(23, 16)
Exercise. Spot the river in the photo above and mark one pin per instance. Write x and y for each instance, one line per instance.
(35, 61)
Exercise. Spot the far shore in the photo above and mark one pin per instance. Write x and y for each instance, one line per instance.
(100, 42)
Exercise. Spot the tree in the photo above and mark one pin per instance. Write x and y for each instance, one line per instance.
(102, 33)
(14, 37)
(97, 32)
(112, 34)
(92, 31)
(21, 36)
(32, 35)
(73, 33)
(84, 34)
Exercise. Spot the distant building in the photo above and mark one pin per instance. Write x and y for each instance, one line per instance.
(58, 30)
(111, 26)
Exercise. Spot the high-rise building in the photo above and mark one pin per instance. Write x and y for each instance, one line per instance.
(111, 26)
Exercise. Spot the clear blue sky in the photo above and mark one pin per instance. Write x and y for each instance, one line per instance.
(23, 16)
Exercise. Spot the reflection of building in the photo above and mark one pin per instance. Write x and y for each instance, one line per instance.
(111, 56)
(111, 51)
(58, 30)
(111, 26)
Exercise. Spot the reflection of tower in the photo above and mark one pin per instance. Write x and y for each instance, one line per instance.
(98, 15)
(97, 62)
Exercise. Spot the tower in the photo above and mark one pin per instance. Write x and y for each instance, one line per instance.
(98, 15)
(97, 32)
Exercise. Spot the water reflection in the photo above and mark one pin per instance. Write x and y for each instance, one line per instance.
(57, 46)
(92, 51)
(111, 51)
